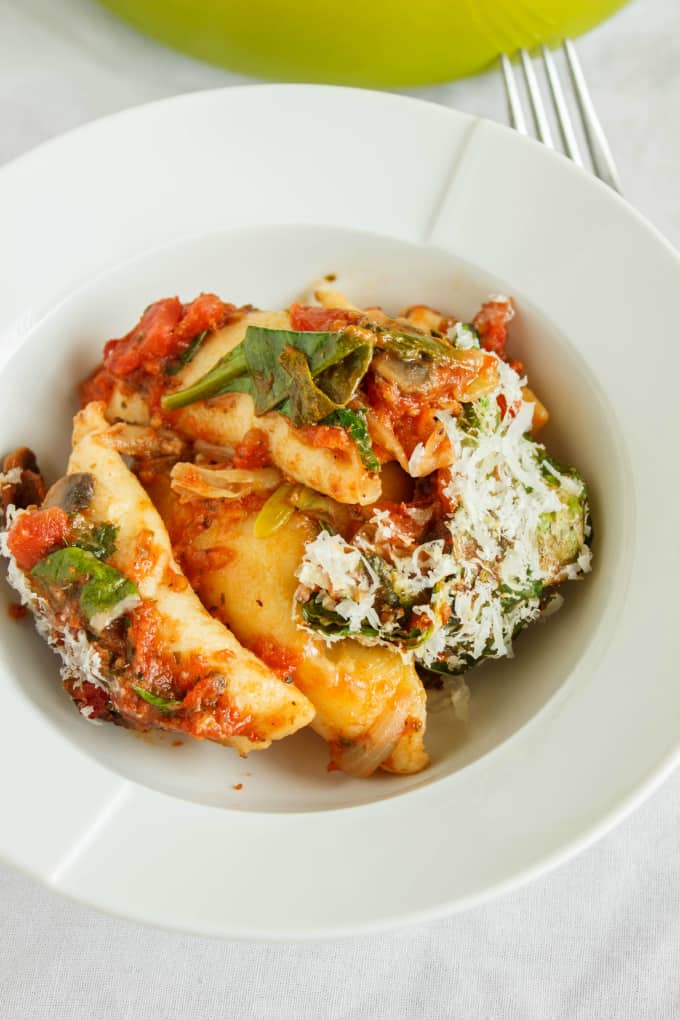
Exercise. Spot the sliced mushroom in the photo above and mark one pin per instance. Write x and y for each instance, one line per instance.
(71, 493)
(409, 376)
(21, 484)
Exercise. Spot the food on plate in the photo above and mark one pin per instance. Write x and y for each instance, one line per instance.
(95, 565)
(274, 519)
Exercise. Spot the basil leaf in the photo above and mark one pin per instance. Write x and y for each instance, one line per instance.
(163, 704)
(187, 354)
(354, 422)
(100, 540)
(102, 587)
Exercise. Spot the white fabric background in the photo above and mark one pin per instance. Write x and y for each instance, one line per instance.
(600, 938)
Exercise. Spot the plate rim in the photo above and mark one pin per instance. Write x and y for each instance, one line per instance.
(636, 795)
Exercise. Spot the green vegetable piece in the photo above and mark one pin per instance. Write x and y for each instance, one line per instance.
(336, 361)
(355, 423)
(255, 367)
(275, 512)
(100, 540)
(165, 705)
(307, 402)
(187, 354)
(102, 587)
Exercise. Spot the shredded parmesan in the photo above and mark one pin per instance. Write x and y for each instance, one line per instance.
(80, 660)
(472, 592)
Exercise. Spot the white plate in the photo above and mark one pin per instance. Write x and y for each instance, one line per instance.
(252, 192)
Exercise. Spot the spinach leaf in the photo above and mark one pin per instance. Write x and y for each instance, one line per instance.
(187, 354)
(307, 402)
(255, 366)
(334, 364)
(330, 623)
(355, 423)
(162, 704)
(102, 587)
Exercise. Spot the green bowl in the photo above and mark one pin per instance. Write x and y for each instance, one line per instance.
(359, 42)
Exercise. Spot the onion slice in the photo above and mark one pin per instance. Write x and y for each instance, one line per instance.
(368, 751)
(198, 480)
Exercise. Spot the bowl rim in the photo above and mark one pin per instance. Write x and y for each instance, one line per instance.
(472, 140)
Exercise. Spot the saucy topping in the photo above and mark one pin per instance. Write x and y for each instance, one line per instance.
(34, 535)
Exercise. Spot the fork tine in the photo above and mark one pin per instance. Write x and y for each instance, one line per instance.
(603, 161)
(561, 109)
(514, 105)
(537, 107)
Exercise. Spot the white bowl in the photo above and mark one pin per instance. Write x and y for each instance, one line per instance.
(414, 203)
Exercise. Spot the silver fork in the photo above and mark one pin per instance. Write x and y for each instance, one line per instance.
(600, 154)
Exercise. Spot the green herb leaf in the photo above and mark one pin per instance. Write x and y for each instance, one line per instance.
(102, 587)
(307, 403)
(100, 540)
(163, 704)
(355, 423)
(340, 360)
(330, 623)
(187, 354)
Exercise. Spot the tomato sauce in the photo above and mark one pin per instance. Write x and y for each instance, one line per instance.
(309, 319)
(281, 660)
(328, 437)
(34, 535)
(98, 386)
(93, 699)
(491, 322)
(253, 450)
(163, 333)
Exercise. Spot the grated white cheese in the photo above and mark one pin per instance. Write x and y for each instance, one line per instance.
(80, 660)
(462, 336)
(490, 582)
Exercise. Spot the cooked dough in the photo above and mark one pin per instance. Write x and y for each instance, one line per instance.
(226, 693)
(359, 693)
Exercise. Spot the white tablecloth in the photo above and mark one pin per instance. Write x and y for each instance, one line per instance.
(600, 938)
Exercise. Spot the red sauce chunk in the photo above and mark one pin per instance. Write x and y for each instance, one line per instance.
(491, 321)
(309, 319)
(36, 534)
(166, 328)
(98, 386)
(253, 450)
(92, 701)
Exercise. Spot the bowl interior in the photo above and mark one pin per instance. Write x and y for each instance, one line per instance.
(270, 267)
